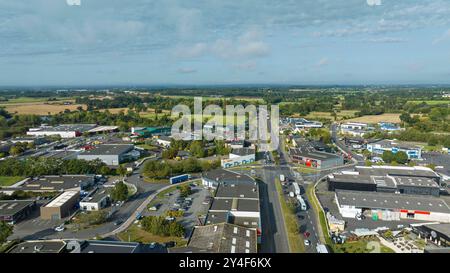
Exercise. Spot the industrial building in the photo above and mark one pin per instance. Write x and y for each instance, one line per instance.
(379, 147)
(164, 141)
(220, 238)
(95, 200)
(12, 211)
(61, 206)
(53, 183)
(390, 127)
(64, 130)
(110, 154)
(355, 128)
(150, 131)
(315, 159)
(213, 178)
(392, 207)
(39, 246)
(240, 156)
(439, 234)
(354, 180)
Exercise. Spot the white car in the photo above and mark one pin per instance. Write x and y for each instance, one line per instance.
(60, 228)
(307, 243)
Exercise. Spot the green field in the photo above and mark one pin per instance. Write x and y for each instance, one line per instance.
(136, 234)
(9, 180)
(29, 100)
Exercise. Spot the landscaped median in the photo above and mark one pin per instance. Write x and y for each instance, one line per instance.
(295, 241)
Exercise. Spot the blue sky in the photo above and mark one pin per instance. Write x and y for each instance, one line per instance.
(107, 42)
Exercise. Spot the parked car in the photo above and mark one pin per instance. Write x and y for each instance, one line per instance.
(152, 245)
(118, 222)
(307, 243)
(60, 228)
(306, 234)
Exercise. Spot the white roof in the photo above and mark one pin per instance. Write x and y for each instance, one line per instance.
(62, 199)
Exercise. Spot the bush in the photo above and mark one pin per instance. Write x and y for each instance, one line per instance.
(161, 227)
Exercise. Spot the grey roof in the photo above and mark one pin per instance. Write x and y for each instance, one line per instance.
(250, 222)
(243, 151)
(441, 228)
(11, 207)
(312, 153)
(221, 175)
(96, 196)
(55, 183)
(378, 200)
(68, 127)
(396, 171)
(216, 217)
(109, 149)
(224, 238)
(437, 250)
(386, 143)
(109, 247)
(248, 189)
(416, 181)
(235, 204)
(43, 246)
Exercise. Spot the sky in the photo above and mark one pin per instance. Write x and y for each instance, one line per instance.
(109, 42)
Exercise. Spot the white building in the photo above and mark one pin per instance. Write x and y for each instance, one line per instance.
(65, 130)
(96, 200)
(239, 157)
(355, 128)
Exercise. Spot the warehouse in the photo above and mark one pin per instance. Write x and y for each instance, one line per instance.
(379, 147)
(61, 206)
(392, 207)
(347, 180)
(213, 178)
(437, 233)
(64, 130)
(416, 171)
(240, 156)
(315, 159)
(222, 238)
(12, 211)
(110, 154)
(52, 183)
(95, 200)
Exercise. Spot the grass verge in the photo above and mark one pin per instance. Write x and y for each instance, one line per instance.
(295, 241)
(6, 181)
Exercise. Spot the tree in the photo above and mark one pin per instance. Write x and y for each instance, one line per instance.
(16, 150)
(401, 157)
(185, 191)
(387, 156)
(119, 192)
(121, 170)
(5, 231)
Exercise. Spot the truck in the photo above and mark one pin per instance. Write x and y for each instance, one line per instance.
(297, 190)
(179, 178)
(301, 202)
(282, 178)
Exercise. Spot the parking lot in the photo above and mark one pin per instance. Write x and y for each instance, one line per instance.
(193, 206)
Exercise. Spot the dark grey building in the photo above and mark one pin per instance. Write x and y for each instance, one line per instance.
(110, 154)
(12, 211)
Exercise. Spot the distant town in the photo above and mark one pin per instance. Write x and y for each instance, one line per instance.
(98, 171)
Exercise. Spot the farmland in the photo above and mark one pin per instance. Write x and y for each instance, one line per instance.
(39, 108)
(394, 118)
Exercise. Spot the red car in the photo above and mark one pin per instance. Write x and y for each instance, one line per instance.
(306, 234)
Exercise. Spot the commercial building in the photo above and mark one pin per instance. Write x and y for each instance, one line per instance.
(378, 147)
(64, 130)
(222, 238)
(34, 140)
(150, 131)
(213, 178)
(240, 156)
(302, 123)
(61, 206)
(354, 180)
(355, 128)
(315, 159)
(390, 127)
(53, 183)
(110, 154)
(392, 207)
(164, 141)
(439, 234)
(12, 211)
(39, 246)
(103, 129)
(95, 200)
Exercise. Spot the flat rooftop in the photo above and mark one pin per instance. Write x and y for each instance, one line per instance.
(248, 189)
(108, 247)
(441, 228)
(216, 217)
(221, 175)
(312, 153)
(235, 204)
(96, 196)
(65, 128)
(56, 246)
(378, 200)
(11, 207)
(416, 181)
(109, 149)
(62, 199)
(385, 143)
(249, 222)
(55, 183)
(243, 151)
(397, 171)
(224, 238)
